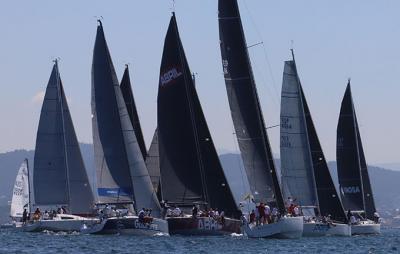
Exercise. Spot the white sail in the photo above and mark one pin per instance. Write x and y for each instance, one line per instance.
(20, 198)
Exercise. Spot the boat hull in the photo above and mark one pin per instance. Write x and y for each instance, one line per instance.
(202, 226)
(324, 229)
(59, 225)
(129, 225)
(285, 228)
(366, 228)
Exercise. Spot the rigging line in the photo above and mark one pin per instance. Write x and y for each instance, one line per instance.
(264, 49)
(256, 44)
(263, 81)
(273, 126)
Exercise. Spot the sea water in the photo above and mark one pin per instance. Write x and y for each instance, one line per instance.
(48, 242)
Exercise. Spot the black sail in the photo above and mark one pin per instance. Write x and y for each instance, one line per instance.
(369, 202)
(353, 175)
(127, 93)
(245, 107)
(189, 164)
(329, 202)
(347, 156)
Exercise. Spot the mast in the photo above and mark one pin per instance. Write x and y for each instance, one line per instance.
(245, 107)
(29, 187)
(189, 164)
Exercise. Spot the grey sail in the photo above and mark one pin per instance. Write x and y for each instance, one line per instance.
(120, 168)
(296, 164)
(59, 174)
(153, 162)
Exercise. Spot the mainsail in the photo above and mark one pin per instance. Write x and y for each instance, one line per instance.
(352, 168)
(122, 175)
(315, 171)
(59, 174)
(20, 198)
(245, 107)
(190, 168)
(127, 93)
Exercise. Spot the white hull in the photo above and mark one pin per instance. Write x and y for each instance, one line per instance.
(323, 229)
(286, 227)
(12, 225)
(62, 223)
(366, 228)
(127, 225)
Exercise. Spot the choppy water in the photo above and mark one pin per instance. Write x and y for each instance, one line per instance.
(19, 242)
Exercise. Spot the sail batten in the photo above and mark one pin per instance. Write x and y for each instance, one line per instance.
(189, 164)
(245, 107)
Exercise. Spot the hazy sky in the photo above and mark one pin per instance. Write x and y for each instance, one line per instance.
(333, 40)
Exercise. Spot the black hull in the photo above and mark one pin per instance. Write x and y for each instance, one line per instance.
(202, 226)
(129, 226)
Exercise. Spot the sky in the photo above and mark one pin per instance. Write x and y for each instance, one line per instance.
(333, 40)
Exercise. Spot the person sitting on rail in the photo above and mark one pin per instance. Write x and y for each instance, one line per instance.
(296, 211)
(291, 209)
(252, 218)
(141, 215)
(275, 214)
(37, 214)
(267, 214)
(376, 217)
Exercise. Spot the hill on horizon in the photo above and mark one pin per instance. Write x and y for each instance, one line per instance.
(384, 181)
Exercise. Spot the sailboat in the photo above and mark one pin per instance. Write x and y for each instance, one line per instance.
(122, 177)
(59, 175)
(305, 173)
(249, 125)
(191, 173)
(355, 186)
(20, 200)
